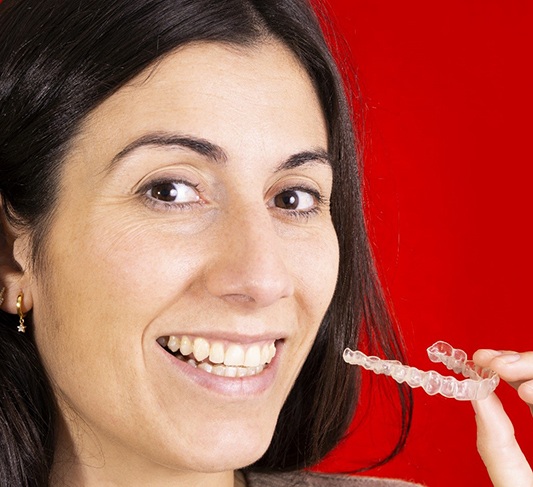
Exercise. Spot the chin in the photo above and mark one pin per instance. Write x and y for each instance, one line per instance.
(219, 440)
(231, 460)
(229, 450)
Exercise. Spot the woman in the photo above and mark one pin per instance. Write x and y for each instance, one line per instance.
(183, 246)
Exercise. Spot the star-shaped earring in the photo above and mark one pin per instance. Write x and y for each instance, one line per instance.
(22, 327)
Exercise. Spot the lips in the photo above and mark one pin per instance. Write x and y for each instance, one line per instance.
(221, 358)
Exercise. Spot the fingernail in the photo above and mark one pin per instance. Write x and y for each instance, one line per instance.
(492, 352)
(510, 358)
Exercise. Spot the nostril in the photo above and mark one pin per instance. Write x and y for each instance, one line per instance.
(239, 298)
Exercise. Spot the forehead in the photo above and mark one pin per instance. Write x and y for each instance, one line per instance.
(228, 94)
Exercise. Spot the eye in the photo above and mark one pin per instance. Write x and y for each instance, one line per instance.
(173, 192)
(295, 199)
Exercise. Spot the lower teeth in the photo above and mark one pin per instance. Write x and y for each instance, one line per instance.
(220, 369)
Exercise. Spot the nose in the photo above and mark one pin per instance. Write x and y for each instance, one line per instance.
(250, 266)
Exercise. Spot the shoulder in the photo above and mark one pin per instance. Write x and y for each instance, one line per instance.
(311, 479)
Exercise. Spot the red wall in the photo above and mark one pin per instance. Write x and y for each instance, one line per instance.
(448, 88)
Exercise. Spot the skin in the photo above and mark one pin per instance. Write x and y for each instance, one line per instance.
(497, 445)
(123, 268)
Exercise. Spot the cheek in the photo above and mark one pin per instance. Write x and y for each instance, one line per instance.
(314, 265)
(107, 285)
(316, 268)
(113, 273)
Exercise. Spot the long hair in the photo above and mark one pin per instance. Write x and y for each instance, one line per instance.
(60, 59)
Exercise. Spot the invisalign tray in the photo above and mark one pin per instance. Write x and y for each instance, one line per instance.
(479, 384)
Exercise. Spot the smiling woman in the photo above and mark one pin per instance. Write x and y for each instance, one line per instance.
(175, 242)
(183, 237)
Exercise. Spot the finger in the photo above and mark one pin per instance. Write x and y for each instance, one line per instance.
(525, 392)
(510, 366)
(513, 367)
(497, 445)
(484, 356)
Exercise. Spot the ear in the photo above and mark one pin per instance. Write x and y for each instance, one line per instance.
(15, 268)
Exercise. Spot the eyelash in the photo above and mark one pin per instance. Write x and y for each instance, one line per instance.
(299, 215)
(168, 205)
(304, 215)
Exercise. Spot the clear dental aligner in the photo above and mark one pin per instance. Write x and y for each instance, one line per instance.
(479, 382)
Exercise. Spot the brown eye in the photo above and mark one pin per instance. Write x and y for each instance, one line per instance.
(164, 192)
(173, 192)
(294, 200)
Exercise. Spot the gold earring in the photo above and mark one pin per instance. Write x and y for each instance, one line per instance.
(22, 327)
(2, 296)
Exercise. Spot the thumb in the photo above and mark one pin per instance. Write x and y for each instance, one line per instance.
(506, 464)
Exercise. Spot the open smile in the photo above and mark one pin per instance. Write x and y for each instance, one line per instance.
(219, 358)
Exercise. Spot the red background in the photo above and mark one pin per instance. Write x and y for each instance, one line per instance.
(448, 94)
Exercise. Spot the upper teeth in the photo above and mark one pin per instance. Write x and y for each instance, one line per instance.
(233, 354)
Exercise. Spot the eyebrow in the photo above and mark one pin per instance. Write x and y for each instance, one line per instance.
(198, 145)
(317, 155)
(211, 151)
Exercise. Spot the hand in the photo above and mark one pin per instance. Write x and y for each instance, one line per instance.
(497, 445)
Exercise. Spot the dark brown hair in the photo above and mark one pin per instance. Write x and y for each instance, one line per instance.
(59, 60)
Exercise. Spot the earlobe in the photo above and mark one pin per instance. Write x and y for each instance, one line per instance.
(16, 300)
(15, 251)
(14, 284)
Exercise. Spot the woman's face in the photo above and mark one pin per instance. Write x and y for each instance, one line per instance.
(193, 204)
